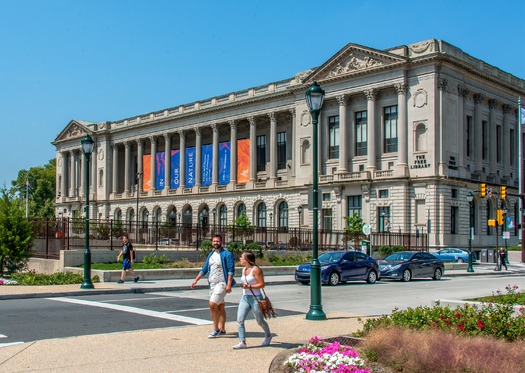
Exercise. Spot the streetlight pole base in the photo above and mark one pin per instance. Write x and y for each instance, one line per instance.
(316, 314)
(87, 285)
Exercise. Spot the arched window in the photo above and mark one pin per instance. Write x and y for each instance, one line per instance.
(118, 215)
(241, 209)
(283, 215)
(100, 178)
(421, 137)
(305, 152)
(261, 215)
(223, 216)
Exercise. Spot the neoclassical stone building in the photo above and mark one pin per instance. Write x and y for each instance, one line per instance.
(404, 135)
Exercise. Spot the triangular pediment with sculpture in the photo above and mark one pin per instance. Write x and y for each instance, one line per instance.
(76, 129)
(354, 59)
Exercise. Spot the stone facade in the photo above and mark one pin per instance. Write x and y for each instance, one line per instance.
(404, 135)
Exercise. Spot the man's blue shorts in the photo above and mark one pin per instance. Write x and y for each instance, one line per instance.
(126, 264)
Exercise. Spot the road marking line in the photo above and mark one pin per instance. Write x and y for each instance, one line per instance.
(139, 311)
(10, 344)
(3, 336)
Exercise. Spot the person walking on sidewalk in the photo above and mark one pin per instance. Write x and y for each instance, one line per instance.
(252, 283)
(128, 258)
(220, 267)
(502, 259)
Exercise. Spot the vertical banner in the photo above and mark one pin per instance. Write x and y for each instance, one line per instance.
(206, 165)
(175, 169)
(224, 162)
(146, 175)
(243, 161)
(190, 167)
(160, 169)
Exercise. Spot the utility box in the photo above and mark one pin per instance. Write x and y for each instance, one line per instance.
(365, 246)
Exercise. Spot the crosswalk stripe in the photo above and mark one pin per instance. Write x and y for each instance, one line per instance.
(139, 311)
(3, 336)
(10, 344)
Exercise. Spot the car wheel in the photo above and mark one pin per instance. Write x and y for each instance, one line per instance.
(437, 274)
(460, 260)
(407, 275)
(334, 279)
(372, 277)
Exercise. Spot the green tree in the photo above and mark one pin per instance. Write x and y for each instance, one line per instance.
(353, 229)
(16, 234)
(242, 227)
(41, 190)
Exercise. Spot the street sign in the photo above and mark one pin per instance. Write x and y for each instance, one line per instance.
(506, 235)
(367, 229)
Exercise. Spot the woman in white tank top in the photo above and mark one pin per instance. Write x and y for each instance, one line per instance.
(252, 279)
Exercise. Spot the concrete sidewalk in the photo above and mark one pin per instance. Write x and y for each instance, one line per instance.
(176, 349)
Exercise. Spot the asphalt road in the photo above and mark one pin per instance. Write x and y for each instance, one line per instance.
(25, 320)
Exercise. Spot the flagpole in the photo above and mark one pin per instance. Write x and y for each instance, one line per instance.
(520, 176)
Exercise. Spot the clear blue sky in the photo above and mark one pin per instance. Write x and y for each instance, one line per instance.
(105, 60)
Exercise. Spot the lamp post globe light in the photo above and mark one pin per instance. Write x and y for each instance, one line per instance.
(87, 147)
(470, 198)
(314, 99)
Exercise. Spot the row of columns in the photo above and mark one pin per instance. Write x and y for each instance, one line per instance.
(73, 178)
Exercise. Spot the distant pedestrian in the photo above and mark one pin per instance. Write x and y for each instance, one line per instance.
(128, 256)
(502, 259)
(252, 283)
(220, 267)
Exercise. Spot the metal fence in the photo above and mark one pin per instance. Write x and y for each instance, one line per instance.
(53, 235)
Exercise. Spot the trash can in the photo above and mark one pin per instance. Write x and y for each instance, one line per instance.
(483, 256)
(491, 257)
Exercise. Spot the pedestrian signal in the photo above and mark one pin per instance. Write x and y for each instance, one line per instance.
(482, 190)
(503, 192)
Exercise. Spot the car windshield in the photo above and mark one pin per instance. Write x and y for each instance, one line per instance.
(330, 257)
(399, 256)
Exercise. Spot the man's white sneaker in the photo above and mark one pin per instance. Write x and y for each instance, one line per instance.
(240, 346)
(214, 333)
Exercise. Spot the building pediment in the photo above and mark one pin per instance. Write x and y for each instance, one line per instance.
(76, 129)
(354, 59)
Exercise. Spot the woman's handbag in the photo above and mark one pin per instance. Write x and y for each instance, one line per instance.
(265, 305)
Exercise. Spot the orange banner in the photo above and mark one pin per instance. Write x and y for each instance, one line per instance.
(146, 176)
(243, 161)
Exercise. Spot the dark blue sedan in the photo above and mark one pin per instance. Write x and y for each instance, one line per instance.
(341, 266)
(405, 265)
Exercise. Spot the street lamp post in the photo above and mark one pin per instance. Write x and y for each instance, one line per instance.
(138, 176)
(300, 215)
(314, 99)
(504, 228)
(87, 147)
(470, 198)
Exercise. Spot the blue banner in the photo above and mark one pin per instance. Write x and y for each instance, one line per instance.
(206, 165)
(175, 169)
(190, 167)
(160, 168)
(224, 162)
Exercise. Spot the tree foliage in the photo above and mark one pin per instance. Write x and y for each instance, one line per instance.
(41, 190)
(242, 227)
(353, 228)
(16, 235)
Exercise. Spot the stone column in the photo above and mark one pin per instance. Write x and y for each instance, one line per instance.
(93, 171)
(140, 168)
(343, 154)
(127, 164)
(153, 141)
(82, 173)
(115, 168)
(167, 161)
(442, 87)
(233, 155)
(493, 137)
(295, 142)
(507, 110)
(478, 126)
(75, 173)
(273, 146)
(253, 149)
(402, 134)
(182, 137)
(371, 95)
(215, 155)
(198, 157)
(462, 126)
(63, 187)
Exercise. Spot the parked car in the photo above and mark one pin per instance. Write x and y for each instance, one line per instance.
(406, 265)
(450, 254)
(167, 241)
(341, 266)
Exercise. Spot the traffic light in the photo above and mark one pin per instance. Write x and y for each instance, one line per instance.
(502, 192)
(482, 190)
(500, 217)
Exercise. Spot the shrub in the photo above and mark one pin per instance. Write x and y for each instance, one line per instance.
(154, 259)
(58, 278)
(256, 249)
(205, 248)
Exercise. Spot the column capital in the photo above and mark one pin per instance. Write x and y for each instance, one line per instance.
(251, 120)
(292, 112)
(342, 100)
(197, 131)
(139, 142)
(214, 127)
(478, 98)
(182, 134)
(507, 109)
(271, 116)
(442, 84)
(232, 124)
(370, 94)
(167, 136)
(401, 88)
(463, 91)
(493, 103)
(126, 145)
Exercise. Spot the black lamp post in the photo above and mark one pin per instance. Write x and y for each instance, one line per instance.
(470, 198)
(87, 147)
(505, 211)
(300, 215)
(314, 99)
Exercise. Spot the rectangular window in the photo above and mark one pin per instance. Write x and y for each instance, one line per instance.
(390, 129)
(327, 197)
(261, 153)
(360, 133)
(327, 219)
(454, 193)
(498, 144)
(454, 214)
(333, 135)
(383, 214)
(383, 193)
(469, 136)
(512, 149)
(354, 205)
(484, 139)
(281, 150)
